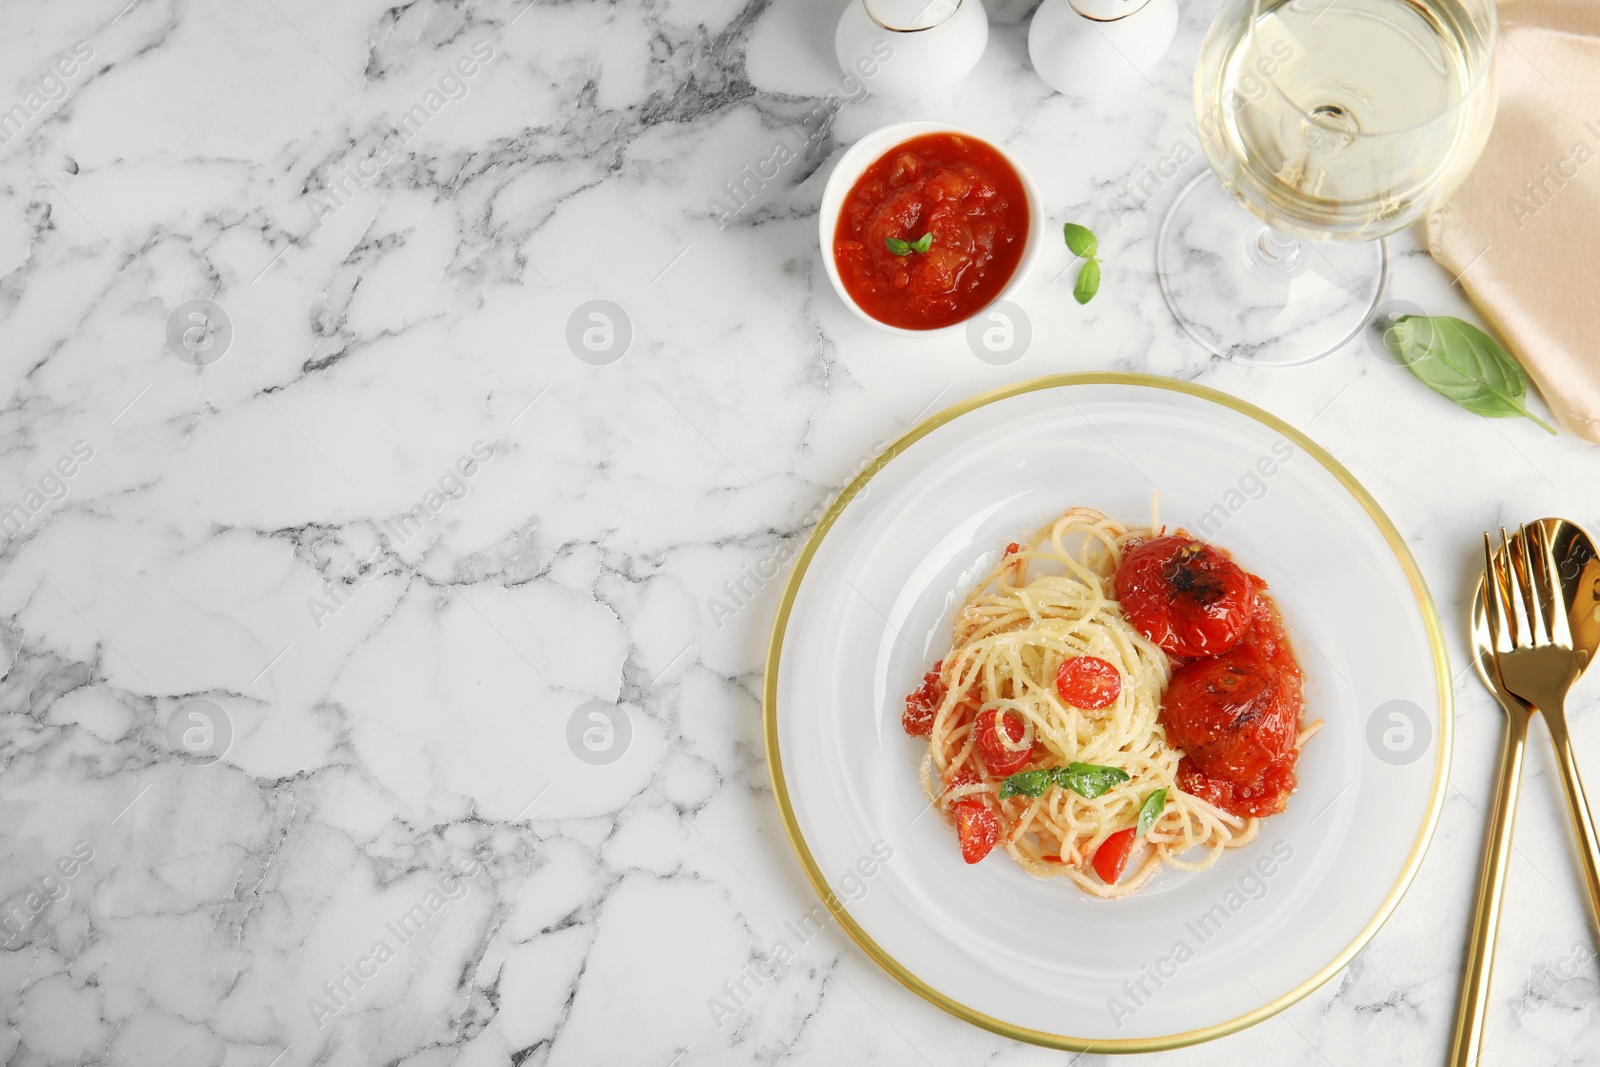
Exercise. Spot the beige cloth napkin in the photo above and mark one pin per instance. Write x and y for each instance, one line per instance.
(1523, 233)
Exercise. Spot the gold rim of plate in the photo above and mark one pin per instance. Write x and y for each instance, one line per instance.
(1430, 618)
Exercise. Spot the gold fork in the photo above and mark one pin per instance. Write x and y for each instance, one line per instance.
(1539, 665)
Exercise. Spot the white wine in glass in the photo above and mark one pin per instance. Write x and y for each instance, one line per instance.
(1335, 122)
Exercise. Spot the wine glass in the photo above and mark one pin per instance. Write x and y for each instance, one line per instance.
(1335, 122)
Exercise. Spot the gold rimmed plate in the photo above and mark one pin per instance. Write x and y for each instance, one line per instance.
(1194, 955)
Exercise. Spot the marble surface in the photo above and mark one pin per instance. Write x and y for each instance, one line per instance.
(474, 628)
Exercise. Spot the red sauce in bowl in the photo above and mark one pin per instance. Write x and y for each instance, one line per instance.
(960, 190)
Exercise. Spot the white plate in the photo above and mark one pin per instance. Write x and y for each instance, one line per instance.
(1202, 954)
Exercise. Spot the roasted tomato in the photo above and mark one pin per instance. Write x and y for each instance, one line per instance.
(1185, 596)
(1237, 718)
(1088, 682)
(921, 705)
(1000, 758)
(977, 828)
(1232, 714)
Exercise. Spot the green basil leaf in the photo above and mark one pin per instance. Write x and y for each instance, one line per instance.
(1462, 363)
(1027, 783)
(897, 246)
(1088, 282)
(1081, 240)
(1151, 810)
(923, 243)
(1085, 779)
(1089, 780)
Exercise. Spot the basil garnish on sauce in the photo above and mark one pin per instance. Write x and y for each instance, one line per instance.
(905, 248)
(1086, 779)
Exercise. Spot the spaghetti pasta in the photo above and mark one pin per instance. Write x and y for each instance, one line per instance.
(1048, 602)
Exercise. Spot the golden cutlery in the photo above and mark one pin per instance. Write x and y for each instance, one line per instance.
(1538, 663)
(1488, 615)
(1548, 646)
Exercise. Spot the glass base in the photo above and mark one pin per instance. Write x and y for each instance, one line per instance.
(1249, 293)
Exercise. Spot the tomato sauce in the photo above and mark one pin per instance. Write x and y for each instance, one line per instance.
(962, 192)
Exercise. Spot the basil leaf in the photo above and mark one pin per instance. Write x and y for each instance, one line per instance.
(1027, 783)
(1462, 363)
(897, 246)
(1081, 240)
(1085, 779)
(923, 243)
(1089, 780)
(1088, 282)
(1151, 810)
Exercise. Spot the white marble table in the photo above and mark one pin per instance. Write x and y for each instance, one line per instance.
(399, 534)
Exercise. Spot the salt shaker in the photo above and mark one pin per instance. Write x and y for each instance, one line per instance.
(907, 48)
(1090, 47)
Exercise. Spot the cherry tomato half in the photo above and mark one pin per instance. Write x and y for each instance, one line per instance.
(1112, 855)
(997, 756)
(977, 828)
(1088, 682)
(1185, 596)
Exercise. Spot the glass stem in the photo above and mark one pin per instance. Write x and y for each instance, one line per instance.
(1276, 250)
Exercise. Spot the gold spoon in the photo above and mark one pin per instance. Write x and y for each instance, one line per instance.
(1577, 571)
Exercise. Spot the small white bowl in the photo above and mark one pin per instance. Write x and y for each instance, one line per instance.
(866, 152)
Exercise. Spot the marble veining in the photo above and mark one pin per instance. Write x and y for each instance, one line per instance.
(381, 667)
